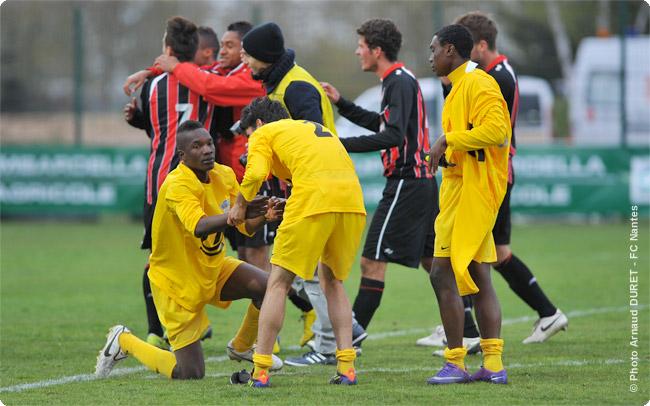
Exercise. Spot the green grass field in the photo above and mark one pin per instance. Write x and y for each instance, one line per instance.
(64, 284)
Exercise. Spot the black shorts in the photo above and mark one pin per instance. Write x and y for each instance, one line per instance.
(265, 235)
(502, 227)
(402, 228)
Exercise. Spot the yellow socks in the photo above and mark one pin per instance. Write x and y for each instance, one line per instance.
(247, 333)
(160, 361)
(309, 318)
(492, 349)
(456, 356)
(262, 365)
(346, 361)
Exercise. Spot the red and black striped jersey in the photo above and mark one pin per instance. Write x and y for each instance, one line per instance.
(402, 131)
(166, 104)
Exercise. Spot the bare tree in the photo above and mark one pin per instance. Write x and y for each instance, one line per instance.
(561, 39)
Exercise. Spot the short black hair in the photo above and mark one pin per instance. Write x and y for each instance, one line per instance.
(264, 109)
(382, 32)
(458, 36)
(482, 27)
(209, 37)
(186, 127)
(183, 38)
(240, 27)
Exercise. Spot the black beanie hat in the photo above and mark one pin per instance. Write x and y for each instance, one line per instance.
(264, 43)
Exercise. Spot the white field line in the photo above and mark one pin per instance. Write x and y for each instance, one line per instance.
(378, 336)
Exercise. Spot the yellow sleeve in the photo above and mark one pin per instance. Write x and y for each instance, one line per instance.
(258, 167)
(490, 120)
(187, 206)
(233, 189)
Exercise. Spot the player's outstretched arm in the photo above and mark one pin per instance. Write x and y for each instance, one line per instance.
(136, 80)
(331, 92)
(166, 63)
(210, 225)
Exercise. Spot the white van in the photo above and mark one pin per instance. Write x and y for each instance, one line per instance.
(595, 92)
(534, 123)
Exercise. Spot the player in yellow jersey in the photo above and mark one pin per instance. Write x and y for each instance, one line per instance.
(475, 145)
(189, 268)
(322, 225)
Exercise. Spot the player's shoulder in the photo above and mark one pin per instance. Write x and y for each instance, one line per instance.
(401, 76)
(223, 171)
(180, 181)
(503, 75)
(482, 77)
(401, 80)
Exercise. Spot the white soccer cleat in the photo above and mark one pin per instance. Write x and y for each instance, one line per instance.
(545, 327)
(473, 344)
(436, 339)
(439, 339)
(112, 353)
(248, 356)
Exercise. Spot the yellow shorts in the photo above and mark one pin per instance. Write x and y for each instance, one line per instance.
(183, 326)
(331, 238)
(449, 201)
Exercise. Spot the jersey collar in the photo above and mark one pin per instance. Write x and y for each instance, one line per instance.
(495, 62)
(460, 71)
(392, 68)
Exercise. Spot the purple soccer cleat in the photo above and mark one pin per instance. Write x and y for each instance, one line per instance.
(344, 379)
(450, 373)
(486, 375)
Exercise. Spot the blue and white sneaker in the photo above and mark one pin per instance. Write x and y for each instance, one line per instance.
(358, 335)
(311, 358)
(450, 373)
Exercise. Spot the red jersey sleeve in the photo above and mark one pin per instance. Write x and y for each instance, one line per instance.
(236, 89)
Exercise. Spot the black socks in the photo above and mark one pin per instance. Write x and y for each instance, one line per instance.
(525, 285)
(367, 300)
(152, 316)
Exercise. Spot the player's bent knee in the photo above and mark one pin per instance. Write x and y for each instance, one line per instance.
(193, 372)
(373, 269)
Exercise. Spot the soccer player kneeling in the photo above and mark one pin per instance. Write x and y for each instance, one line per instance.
(189, 268)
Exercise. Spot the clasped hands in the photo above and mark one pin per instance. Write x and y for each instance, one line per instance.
(272, 207)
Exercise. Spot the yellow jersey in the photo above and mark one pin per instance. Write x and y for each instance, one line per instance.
(476, 123)
(309, 157)
(184, 266)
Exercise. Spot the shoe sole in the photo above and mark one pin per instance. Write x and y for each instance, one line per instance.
(235, 357)
(425, 342)
(297, 364)
(446, 382)
(357, 341)
(107, 361)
